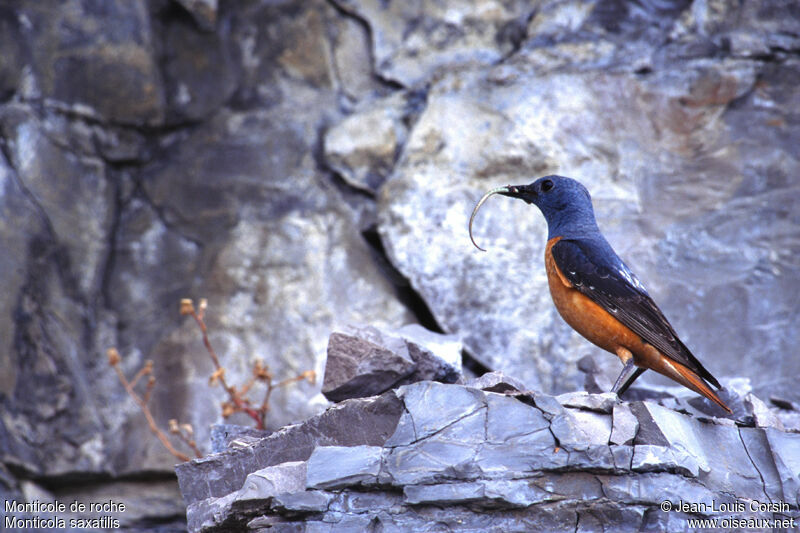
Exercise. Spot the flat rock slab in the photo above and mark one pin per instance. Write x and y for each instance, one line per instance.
(477, 460)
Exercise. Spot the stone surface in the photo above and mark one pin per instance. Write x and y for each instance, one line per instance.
(365, 421)
(335, 467)
(438, 357)
(367, 361)
(477, 460)
(224, 436)
(625, 425)
(413, 41)
(308, 165)
(602, 403)
(363, 147)
(673, 173)
(151, 151)
(357, 367)
(497, 382)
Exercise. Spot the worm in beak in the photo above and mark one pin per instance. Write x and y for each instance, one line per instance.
(499, 190)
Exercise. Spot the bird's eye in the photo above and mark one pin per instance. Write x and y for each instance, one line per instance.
(547, 185)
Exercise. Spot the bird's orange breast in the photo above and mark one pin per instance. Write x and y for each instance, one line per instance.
(587, 317)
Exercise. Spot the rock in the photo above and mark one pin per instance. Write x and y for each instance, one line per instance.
(201, 68)
(357, 368)
(364, 146)
(80, 213)
(367, 421)
(601, 403)
(264, 289)
(204, 12)
(762, 416)
(734, 470)
(497, 382)
(437, 356)
(151, 151)
(787, 413)
(75, 46)
(624, 425)
(146, 159)
(258, 490)
(11, 62)
(783, 447)
(332, 467)
(412, 41)
(650, 458)
(369, 361)
(598, 376)
(484, 460)
(224, 436)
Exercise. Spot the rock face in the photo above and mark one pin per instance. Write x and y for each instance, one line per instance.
(309, 165)
(472, 460)
(371, 361)
(656, 129)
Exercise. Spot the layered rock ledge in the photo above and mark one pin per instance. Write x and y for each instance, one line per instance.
(430, 456)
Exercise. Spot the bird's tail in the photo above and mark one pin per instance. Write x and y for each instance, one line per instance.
(693, 381)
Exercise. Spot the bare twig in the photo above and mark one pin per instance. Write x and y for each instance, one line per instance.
(237, 400)
(113, 360)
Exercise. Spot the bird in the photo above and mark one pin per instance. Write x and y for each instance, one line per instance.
(597, 294)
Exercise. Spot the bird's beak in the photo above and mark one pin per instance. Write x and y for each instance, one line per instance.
(513, 191)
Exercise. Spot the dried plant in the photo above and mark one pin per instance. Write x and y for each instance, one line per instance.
(114, 360)
(237, 401)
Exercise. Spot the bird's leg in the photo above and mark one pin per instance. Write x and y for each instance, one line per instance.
(629, 372)
(628, 376)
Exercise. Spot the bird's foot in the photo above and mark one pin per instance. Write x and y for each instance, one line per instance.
(628, 375)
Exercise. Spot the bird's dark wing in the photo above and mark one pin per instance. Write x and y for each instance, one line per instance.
(595, 270)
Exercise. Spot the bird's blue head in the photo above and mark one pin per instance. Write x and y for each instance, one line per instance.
(564, 202)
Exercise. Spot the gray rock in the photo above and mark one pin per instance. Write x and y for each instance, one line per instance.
(497, 382)
(452, 404)
(308, 501)
(758, 448)
(201, 68)
(602, 403)
(479, 459)
(447, 493)
(412, 41)
(599, 373)
(146, 159)
(224, 436)
(784, 448)
(367, 421)
(259, 489)
(437, 356)
(500, 124)
(578, 429)
(624, 425)
(109, 50)
(268, 482)
(204, 12)
(692, 442)
(356, 367)
(363, 147)
(762, 415)
(651, 458)
(151, 151)
(332, 467)
(654, 488)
